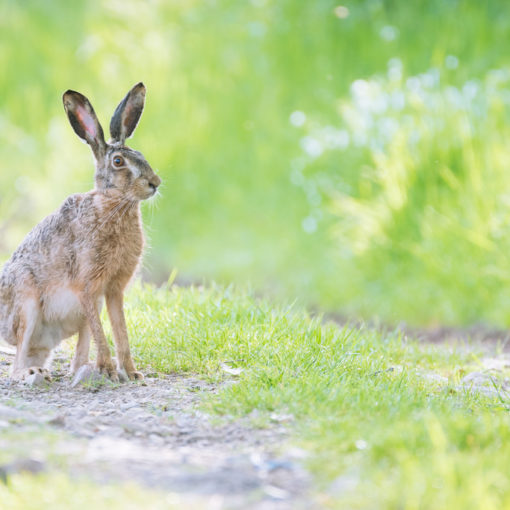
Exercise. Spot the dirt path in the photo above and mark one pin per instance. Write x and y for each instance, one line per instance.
(151, 434)
(479, 335)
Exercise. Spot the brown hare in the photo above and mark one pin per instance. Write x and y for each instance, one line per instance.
(83, 254)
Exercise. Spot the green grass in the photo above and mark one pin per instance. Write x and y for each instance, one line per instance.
(383, 418)
(378, 429)
(28, 492)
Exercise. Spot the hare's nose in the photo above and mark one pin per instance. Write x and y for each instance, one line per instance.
(155, 181)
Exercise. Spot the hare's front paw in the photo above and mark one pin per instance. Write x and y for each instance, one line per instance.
(38, 370)
(108, 369)
(24, 374)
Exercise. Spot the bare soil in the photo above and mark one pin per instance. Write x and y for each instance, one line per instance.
(479, 335)
(151, 434)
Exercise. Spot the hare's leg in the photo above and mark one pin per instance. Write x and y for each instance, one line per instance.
(104, 358)
(81, 356)
(115, 307)
(32, 352)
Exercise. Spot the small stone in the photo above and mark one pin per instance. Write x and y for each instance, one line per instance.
(275, 492)
(231, 370)
(156, 439)
(476, 378)
(36, 379)
(87, 375)
(128, 405)
(281, 418)
(496, 363)
(57, 421)
(27, 465)
(136, 412)
(434, 378)
(115, 431)
(133, 427)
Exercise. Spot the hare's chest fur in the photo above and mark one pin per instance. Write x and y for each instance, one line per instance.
(113, 246)
(119, 252)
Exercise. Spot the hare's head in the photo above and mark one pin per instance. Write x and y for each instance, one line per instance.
(117, 166)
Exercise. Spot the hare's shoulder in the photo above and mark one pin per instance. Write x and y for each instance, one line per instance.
(79, 204)
(76, 210)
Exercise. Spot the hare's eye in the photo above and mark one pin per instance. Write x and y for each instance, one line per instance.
(118, 161)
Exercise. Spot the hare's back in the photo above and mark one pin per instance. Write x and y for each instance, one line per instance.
(47, 256)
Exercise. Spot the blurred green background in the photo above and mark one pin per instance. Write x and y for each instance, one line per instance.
(354, 157)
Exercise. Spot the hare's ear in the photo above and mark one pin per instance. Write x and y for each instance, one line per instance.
(84, 121)
(127, 114)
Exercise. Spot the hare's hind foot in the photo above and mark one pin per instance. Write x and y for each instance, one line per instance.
(89, 375)
(131, 375)
(108, 369)
(23, 374)
(135, 375)
(126, 369)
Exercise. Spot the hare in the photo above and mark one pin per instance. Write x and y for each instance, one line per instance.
(83, 254)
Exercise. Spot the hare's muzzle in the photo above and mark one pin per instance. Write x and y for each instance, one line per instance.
(154, 182)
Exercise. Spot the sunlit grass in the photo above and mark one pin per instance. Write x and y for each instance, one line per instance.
(380, 420)
(57, 491)
(383, 430)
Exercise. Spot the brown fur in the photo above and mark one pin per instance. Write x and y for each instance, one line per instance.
(85, 253)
